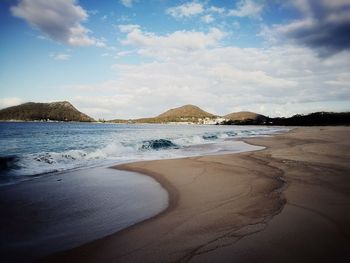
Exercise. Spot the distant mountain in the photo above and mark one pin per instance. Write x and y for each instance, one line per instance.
(186, 113)
(55, 111)
(245, 117)
(194, 114)
(313, 119)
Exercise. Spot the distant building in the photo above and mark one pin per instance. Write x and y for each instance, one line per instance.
(211, 121)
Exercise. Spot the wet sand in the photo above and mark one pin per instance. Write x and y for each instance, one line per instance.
(287, 203)
(57, 212)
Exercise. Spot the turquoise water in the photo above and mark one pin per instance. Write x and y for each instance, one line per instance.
(34, 148)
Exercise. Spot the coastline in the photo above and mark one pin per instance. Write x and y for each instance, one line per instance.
(194, 227)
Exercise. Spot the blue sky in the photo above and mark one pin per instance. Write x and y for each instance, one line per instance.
(126, 59)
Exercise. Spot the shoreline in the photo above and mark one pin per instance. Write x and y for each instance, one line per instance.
(173, 193)
(247, 211)
(174, 196)
(26, 165)
(56, 213)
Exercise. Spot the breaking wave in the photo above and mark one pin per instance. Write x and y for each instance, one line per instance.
(158, 144)
(105, 145)
(210, 137)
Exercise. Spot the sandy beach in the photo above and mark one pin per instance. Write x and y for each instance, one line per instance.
(287, 203)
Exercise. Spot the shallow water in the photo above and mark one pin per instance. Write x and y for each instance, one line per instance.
(54, 213)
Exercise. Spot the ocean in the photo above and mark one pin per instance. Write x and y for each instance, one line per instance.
(35, 148)
(57, 192)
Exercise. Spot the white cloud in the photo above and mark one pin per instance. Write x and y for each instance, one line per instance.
(186, 10)
(342, 79)
(247, 8)
(296, 25)
(193, 67)
(128, 28)
(127, 3)
(59, 20)
(8, 102)
(177, 42)
(226, 73)
(207, 19)
(103, 106)
(214, 9)
(60, 56)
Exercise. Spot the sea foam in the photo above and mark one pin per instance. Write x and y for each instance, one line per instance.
(39, 148)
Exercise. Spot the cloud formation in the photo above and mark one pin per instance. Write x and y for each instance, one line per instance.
(247, 8)
(127, 3)
(215, 9)
(193, 67)
(185, 10)
(178, 42)
(325, 26)
(60, 20)
(202, 66)
(244, 8)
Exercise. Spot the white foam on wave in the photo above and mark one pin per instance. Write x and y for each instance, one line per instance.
(147, 146)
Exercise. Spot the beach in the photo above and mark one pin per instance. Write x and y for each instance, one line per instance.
(287, 203)
(175, 131)
(60, 192)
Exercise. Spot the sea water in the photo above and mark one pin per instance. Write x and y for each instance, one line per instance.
(35, 148)
(75, 198)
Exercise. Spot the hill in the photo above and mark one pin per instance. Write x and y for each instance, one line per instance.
(186, 113)
(245, 117)
(194, 114)
(55, 111)
(313, 119)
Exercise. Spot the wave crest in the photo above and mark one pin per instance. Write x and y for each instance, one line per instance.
(158, 144)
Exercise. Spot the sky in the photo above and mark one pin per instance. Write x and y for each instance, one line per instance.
(136, 58)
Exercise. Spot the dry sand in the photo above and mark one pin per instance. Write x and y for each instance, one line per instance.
(287, 203)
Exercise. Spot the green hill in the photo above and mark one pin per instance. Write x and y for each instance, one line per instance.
(55, 111)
